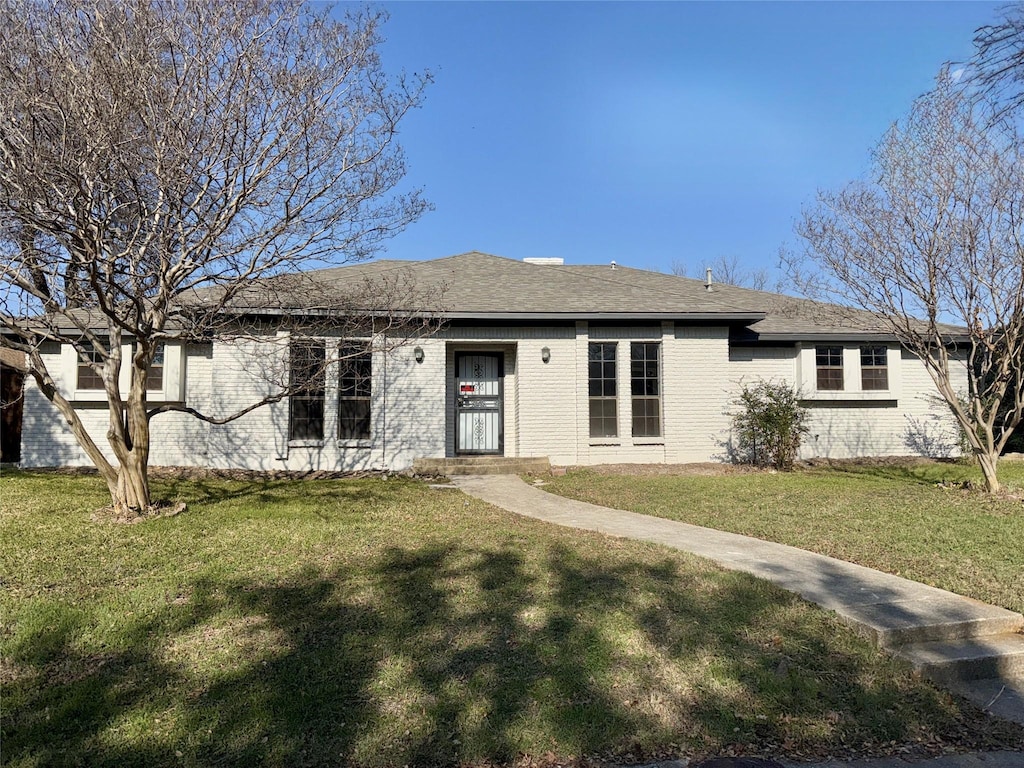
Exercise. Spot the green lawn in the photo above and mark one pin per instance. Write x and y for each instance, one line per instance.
(914, 520)
(381, 623)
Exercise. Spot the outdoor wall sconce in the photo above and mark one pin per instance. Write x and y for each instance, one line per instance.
(418, 354)
(545, 354)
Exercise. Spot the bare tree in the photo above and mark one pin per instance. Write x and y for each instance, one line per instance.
(998, 63)
(934, 237)
(729, 270)
(158, 157)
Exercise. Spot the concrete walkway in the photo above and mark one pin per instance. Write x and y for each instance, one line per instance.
(971, 647)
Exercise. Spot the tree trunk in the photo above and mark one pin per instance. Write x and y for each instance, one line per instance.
(987, 461)
(130, 494)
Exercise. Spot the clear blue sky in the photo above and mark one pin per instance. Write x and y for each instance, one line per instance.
(651, 133)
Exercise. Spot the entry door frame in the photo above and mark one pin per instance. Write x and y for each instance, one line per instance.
(500, 359)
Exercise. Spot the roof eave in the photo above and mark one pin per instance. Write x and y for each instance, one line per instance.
(839, 336)
(726, 317)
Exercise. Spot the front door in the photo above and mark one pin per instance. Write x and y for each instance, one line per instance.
(478, 403)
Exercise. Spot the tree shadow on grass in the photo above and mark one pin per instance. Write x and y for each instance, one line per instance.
(447, 653)
(210, 492)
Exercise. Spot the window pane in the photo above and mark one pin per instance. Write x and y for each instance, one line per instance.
(354, 419)
(155, 374)
(645, 387)
(874, 379)
(829, 355)
(601, 388)
(830, 378)
(603, 418)
(355, 381)
(307, 418)
(88, 378)
(155, 378)
(829, 362)
(873, 356)
(306, 375)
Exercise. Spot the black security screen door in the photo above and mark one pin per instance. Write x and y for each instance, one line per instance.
(478, 403)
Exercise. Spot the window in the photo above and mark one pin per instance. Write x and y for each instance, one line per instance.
(604, 415)
(829, 362)
(88, 378)
(155, 375)
(645, 382)
(354, 384)
(874, 371)
(306, 378)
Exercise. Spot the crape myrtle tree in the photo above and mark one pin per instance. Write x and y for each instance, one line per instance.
(162, 159)
(934, 238)
(998, 63)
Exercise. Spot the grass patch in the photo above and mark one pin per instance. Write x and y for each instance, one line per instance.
(380, 623)
(913, 521)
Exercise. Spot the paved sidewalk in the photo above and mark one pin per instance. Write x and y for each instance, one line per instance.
(1002, 759)
(906, 617)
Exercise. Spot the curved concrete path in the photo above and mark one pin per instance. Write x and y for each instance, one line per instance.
(971, 647)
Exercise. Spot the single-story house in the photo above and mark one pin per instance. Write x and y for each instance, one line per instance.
(581, 364)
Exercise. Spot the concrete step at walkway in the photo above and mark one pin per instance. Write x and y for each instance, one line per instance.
(905, 617)
(992, 656)
(931, 618)
(483, 465)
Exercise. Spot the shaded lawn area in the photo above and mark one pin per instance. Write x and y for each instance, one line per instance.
(912, 520)
(381, 623)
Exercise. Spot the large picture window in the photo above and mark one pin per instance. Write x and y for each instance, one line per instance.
(874, 368)
(604, 417)
(829, 364)
(306, 380)
(354, 388)
(645, 385)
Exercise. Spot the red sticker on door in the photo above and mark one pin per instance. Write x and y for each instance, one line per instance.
(467, 388)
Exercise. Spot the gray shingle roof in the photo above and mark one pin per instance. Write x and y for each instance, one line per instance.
(480, 285)
(477, 285)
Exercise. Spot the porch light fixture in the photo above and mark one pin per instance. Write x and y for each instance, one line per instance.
(545, 354)
(418, 354)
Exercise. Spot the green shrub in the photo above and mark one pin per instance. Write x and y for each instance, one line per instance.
(768, 424)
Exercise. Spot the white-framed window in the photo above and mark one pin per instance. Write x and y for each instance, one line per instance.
(602, 389)
(155, 375)
(165, 381)
(874, 368)
(355, 390)
(87, 377)
(850, 371)
(828, 363)
(306, 380)
(645, 387)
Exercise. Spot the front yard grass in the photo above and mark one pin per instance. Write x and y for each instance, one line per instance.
(381, 623)
(913, 520)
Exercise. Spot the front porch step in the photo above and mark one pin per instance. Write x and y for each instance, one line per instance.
(483, 465)
(967, 659)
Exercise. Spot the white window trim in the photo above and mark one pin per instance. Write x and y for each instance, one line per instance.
(807, 373)
(173, 376)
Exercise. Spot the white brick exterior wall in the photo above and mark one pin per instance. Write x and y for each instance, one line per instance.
(546, 406)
